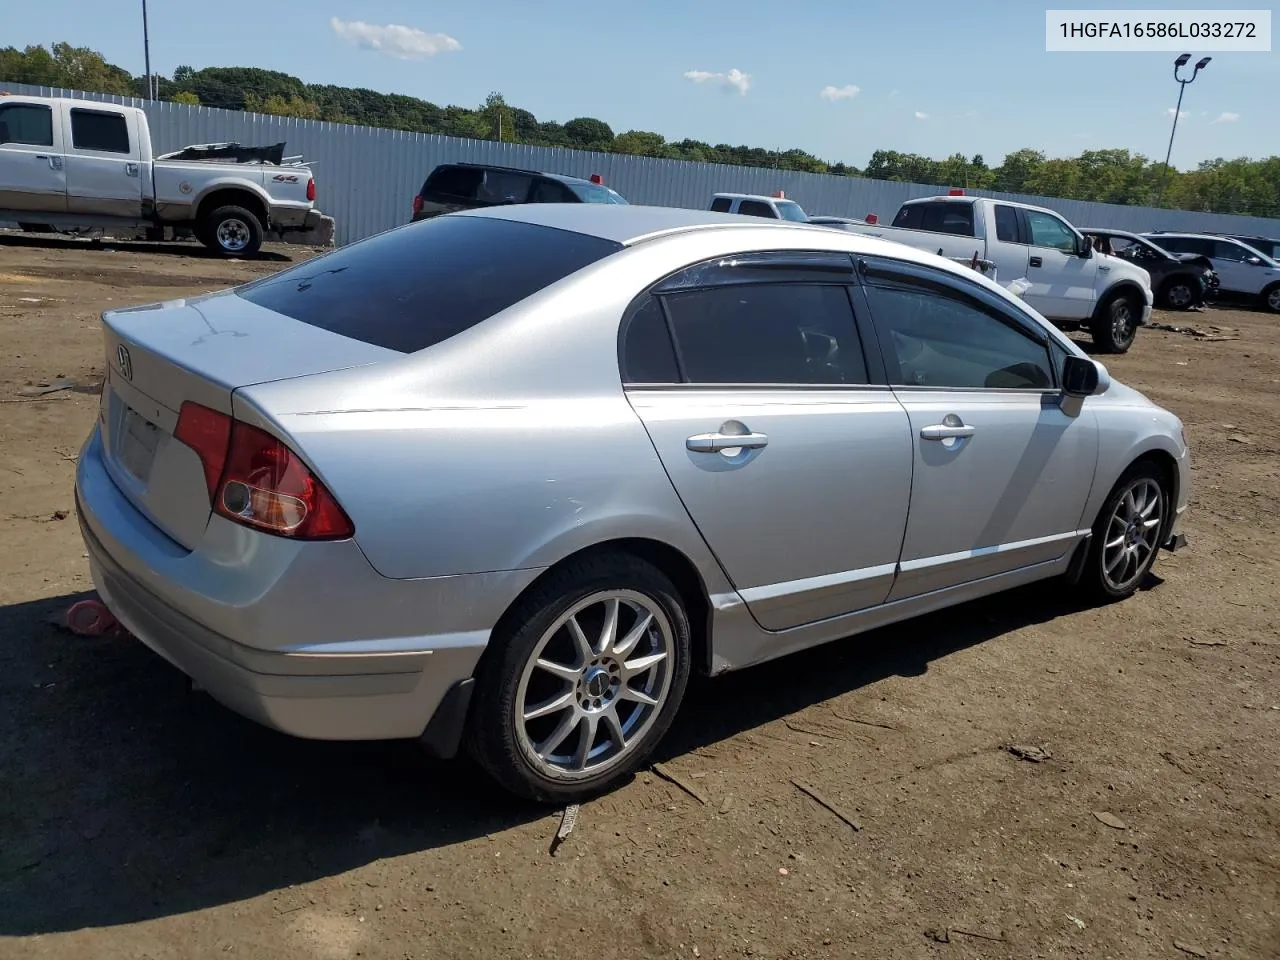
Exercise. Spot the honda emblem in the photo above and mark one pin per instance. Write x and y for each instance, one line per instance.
(124, 362)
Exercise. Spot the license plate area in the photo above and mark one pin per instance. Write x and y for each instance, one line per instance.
(139, 439)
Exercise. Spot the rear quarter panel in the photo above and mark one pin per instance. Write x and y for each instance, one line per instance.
(182, 184)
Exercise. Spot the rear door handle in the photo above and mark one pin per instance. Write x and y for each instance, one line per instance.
(1037, 261)
(716, 442)
(945, 431)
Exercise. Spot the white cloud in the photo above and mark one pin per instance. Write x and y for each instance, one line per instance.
(847, 92)
(1182, 115)
(921, 115)
(734, 78)
(400, 42)
(1227, 117)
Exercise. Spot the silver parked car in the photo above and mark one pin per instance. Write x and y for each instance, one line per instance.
(504, 478)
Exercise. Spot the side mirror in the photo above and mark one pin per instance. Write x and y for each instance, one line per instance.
(1081, 377)
(1084, 249)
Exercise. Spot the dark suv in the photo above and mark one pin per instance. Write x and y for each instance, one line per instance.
(467, 186)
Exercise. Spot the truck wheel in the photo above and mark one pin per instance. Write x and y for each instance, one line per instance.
(1116, 323)
(1271, 298)
(231, 231)
(1178, 294)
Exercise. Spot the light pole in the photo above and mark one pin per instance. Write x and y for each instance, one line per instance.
(1182, 88)
(146, 49)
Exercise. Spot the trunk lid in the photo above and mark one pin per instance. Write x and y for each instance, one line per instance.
(202, 350)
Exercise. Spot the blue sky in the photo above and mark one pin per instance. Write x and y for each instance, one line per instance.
(930, 78)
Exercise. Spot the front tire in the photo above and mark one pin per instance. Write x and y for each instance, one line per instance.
(1178, 294)
(231, 231)
(1116, 324)
(581, 681)
(1127, 534)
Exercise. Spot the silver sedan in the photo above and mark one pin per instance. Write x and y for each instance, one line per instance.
(502, 480)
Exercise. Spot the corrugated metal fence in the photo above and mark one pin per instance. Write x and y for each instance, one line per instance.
(368, 176)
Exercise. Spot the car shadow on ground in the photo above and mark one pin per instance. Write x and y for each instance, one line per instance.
(177, 248)
(125, 797)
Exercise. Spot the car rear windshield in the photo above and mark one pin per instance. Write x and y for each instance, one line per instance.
(790, 210)
(418, 285)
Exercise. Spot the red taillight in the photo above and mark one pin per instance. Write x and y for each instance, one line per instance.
(417, 204)
(311, 189)
(596, 178)
(208, 433)
(256, 480)
(955, 192)
(779, 195)
(871, 218)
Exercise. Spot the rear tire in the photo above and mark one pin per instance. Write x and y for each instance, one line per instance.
(1116, 324)
(1270, 298)
(1127, 534)
(601, 699)
(231, 232)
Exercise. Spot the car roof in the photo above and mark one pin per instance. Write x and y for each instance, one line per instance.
(753, 196)
(1111, 232)
(621, 224)
(565, 178)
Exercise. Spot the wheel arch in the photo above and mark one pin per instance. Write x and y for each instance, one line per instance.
(1118, 289)
(671, 561)
(239, 196)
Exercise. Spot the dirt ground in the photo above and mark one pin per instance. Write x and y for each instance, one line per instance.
(138, 820)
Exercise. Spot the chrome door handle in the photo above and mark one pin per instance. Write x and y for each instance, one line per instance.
(715, 442)
(943, 431)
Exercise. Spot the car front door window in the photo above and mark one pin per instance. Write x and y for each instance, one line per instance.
(1049, 231)
(937, 340)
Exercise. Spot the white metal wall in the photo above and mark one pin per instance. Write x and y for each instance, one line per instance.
(367, 177)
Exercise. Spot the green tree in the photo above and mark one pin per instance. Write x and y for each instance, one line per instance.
(640, 143)
(588, 133)
(187, 97)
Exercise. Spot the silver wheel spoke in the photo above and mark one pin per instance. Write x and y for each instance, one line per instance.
(609, 632)
(1115, 561)
(639, 696)
(558, 669)
(613, 727)
(635, 667)
(1112, 544)
(551, 706)
(628, 643)
(580, 640)
(585, 740)
(558, 736)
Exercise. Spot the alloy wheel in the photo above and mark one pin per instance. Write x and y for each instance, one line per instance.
(594, 684)
(1132, 534)
(233, 235)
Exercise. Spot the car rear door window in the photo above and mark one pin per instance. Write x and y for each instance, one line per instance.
(26, 123)
(454, 183)
(767, 333)
(648, 355)
(1006, 223)
(721, 204)
(933, 335)
(411, 288)
(756, 208)
(99, 131)
(505, 186)
(549, 191)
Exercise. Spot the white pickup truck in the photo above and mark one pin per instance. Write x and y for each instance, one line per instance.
(1070, 284)
(80, 164)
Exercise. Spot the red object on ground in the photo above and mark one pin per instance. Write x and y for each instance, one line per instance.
(91, 618)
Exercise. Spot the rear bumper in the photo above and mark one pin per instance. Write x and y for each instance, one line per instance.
(342, 697)
(304, 638)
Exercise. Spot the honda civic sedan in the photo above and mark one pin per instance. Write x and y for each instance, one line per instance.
(502, 480)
